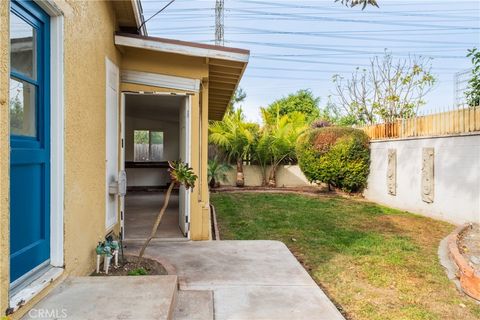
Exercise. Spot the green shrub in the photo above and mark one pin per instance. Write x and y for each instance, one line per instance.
(138, 272)
(335, 155)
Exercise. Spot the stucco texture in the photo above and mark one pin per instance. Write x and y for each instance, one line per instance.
(456, 177)
(88, 38)
(4, 156)
(89, 28)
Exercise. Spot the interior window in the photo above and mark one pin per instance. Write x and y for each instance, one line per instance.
(148, 145)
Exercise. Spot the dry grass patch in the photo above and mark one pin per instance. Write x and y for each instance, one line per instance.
(374, 262)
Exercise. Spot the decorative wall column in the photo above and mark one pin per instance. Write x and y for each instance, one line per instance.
(392, 172)
(428, 158)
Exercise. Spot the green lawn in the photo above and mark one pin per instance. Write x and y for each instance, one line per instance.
(373, 262)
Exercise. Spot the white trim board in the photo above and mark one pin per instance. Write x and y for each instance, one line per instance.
(160, 80)
(158, 45)
(57, 184)
(138, 17)
(112, 88)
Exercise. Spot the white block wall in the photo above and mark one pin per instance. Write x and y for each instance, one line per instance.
(286, 176)
(456, 177)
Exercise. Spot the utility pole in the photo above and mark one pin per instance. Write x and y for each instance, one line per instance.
(219, 20)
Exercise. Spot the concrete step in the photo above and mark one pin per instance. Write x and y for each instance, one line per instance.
(194, 305)
(134, 297)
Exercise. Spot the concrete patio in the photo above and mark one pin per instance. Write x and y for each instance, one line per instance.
(249, 279)
(234, 280)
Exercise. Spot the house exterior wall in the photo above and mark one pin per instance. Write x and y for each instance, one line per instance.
(456, 177)
(4, 156)
(89, 27)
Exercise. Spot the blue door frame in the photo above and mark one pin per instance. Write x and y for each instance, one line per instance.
(30, 154)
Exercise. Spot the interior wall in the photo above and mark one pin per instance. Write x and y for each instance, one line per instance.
(138, 120)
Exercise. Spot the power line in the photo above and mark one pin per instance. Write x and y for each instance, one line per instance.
(325, 18)
(156, 13)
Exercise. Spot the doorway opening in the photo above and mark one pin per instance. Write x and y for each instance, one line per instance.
(156, 130)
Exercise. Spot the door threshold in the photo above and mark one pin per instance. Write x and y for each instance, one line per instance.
(31, 290)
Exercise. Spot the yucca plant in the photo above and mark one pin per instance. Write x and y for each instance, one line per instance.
(181, 174)
(217, 172)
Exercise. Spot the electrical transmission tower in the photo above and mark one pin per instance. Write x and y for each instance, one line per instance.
(219, 20)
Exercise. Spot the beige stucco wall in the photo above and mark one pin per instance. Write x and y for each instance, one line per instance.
(286, 176)
(85, 49)
(4, 156)
(88, 29)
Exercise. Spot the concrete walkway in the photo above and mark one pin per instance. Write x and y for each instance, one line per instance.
(93, 298)
(249, 279)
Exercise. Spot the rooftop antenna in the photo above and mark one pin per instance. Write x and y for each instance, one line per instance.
(219, 22)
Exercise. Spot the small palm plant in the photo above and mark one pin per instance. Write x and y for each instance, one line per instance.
(181, 174)
(234, 136)
(217, 172)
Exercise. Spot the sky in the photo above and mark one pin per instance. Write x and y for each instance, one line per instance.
(301, 44)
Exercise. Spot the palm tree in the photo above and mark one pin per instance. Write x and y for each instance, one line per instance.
(216, 172)
(181, 174)
(277, 140)
(234, 136)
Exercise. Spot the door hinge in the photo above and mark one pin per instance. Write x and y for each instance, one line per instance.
(122, 143)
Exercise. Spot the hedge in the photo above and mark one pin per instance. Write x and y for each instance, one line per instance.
(339, 156)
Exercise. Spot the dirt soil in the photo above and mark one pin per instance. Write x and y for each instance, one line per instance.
(469, 246)
(133, 263)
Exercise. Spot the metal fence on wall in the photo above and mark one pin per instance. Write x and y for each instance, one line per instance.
(458, 121)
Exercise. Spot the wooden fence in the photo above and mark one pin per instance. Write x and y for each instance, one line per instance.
(458, 121)
(145, 152)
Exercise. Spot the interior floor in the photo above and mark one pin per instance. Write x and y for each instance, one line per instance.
(141, 209)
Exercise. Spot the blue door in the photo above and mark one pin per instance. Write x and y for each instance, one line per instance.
(29, 139)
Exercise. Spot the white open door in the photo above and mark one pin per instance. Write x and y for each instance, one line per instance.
(184, 149)
(122, 162)
(111, 141)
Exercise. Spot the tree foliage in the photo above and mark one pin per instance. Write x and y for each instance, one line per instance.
(232, 134)
(16, 113)
(337, 156)
(363, 3)
(276, 141)
(217, 172)
(235, 137)
(238, 97)
(302, 101)
(387, 90)
(473, 92)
